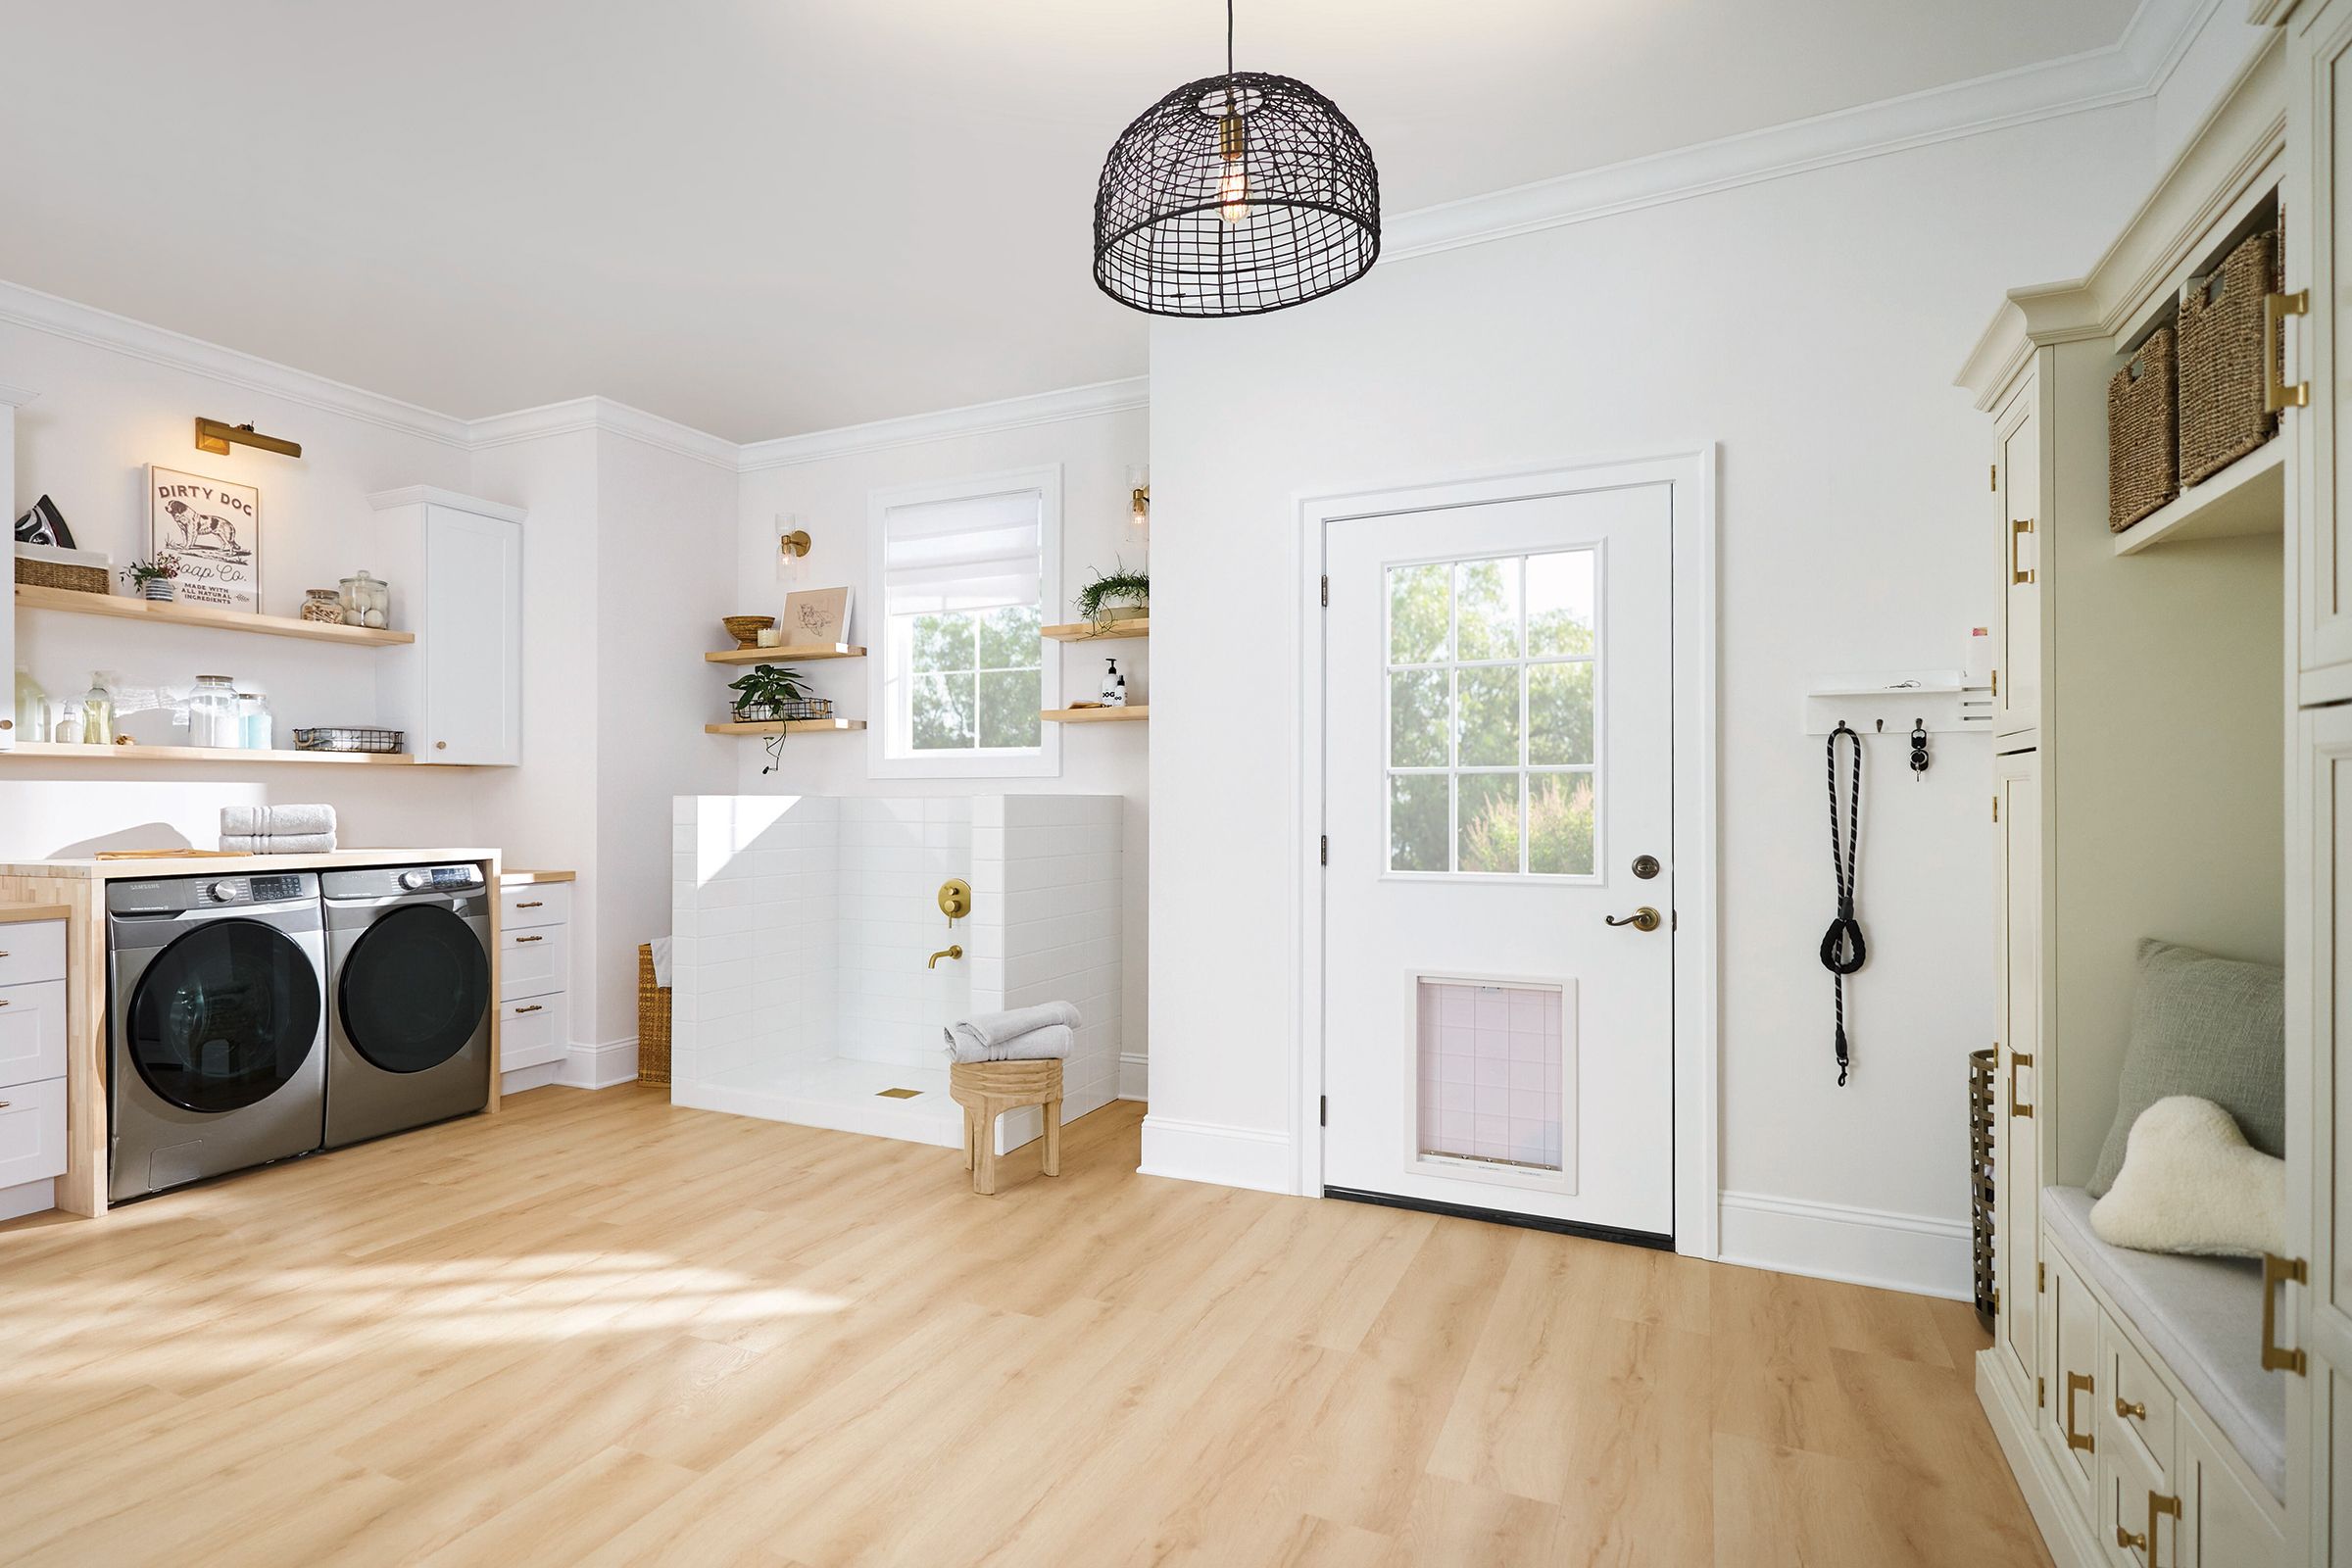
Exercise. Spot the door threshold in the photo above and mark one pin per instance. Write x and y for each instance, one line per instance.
(1504, 1216)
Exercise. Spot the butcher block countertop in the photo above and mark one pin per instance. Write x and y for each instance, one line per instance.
(238, 864)
(19, 913)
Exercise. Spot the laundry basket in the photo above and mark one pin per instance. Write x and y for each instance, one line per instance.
(2143, 450)
(2223, 357)
(653, 1021)
(1982, 1069)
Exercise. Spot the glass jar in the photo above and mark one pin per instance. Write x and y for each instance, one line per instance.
(253, 715)
(322, 604)
(98, 711)
(32, 708)
(366, 601)
(212, 717)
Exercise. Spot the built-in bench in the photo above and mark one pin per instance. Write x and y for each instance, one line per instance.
(2202, 1316)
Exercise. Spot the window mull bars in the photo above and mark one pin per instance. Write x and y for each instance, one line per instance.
(1236, 195)
(1843, 948)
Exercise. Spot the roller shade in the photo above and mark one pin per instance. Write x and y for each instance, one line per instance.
(972, 553)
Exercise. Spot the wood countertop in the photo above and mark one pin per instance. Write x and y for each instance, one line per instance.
(238, 864)
(525, 879)
(17, 914)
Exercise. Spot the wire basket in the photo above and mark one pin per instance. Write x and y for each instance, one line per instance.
(382, 741)
(1981, 1068)
(784, 712)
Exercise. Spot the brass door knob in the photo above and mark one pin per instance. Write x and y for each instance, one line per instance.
(1645, 919)
(440, 746)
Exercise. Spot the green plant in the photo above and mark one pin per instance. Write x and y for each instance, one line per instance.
(163, 569)
(768, 686)
(1128, 587)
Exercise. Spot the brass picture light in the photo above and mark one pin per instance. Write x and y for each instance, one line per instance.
(214, 436)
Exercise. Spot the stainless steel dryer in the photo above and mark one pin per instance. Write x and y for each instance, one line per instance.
(216, 1002)
(408, 998)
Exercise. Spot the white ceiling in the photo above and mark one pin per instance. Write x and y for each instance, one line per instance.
(763, 218)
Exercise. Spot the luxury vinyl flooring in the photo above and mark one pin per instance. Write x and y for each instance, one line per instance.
(595, 1329)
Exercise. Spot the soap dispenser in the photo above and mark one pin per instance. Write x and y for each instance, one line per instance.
(1114, 685)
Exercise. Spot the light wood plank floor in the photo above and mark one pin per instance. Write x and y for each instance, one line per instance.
(598, 1329)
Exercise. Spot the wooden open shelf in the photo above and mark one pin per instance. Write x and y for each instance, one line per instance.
(1083, 631)
(2248, 497)
(797, 651)
(51, 750)
(179, 614)
(795, 726)
(1134, 715)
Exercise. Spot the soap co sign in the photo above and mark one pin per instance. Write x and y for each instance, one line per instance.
(214, 531)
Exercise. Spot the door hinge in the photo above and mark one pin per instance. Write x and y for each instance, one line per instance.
(2041, 1391)
(1326, 860)
(1323, 1111)
(1992, 476)
(1327, 592)
(1996, 807)
(2042, 1278)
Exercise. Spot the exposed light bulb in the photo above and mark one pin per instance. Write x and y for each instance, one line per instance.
(1232, 193)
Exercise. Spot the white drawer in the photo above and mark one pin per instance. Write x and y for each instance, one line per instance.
(31, 951)
(33, 1132)
(538, 904)
(32, 1032)
(2137, 1406)
(534, 1031)
(533, 963)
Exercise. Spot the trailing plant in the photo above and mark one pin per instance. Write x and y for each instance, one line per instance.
(1120, 586)
(163, 569)
(768, 686)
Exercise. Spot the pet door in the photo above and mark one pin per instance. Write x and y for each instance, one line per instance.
(1492, 1074)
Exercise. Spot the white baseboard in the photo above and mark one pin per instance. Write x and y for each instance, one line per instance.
(533, 1075)
(1135, 1075)
(2063, 1530)
(1893, 1252)
(604, 1067)
(1223, 1156)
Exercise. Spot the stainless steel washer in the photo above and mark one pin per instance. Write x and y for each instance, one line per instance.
(408, 998)
(216, 1002)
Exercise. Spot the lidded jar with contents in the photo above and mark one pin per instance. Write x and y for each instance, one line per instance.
(322, 604)
(366, 601)
(214, 716)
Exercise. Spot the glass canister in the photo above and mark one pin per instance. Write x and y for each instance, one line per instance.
(322, 604)
(366, 601)
(253, 714)
(214, 719)
(32, 708)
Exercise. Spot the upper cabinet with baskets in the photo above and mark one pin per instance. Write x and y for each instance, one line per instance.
(2318, 42)
(458, 693)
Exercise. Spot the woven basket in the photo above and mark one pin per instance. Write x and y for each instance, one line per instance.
(653, 1021)
(2223, 357)
(2144, 460)
(1981, 1067)
(35, 574)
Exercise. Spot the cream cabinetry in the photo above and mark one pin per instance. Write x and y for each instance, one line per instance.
(2017, 1159)
(2016, 625)
(2318, 42)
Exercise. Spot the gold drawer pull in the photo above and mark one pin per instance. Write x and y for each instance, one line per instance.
(3, 1002)
(2137, 1410)
(2018, 527)
(520, 940)
(531, 903)
(2277, 1271)
(2076, 1383)
(2016, 1060)
(2277, 395)
(3, 1104)
(533, 1008)
(2157, 1507)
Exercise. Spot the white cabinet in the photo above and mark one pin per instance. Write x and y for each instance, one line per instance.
(2319, 146)
(2017, 1226)
(457, 692)
(2071, 1423)
(33, 1064)
(534, 976)
(2017, 491)
(2318, 1186)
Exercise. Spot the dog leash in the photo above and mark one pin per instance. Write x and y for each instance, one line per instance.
(1843, 948)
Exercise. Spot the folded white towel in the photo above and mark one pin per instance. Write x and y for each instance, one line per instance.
(1053, 1041)
(661, 947)
(277, 843)
(270, 821)
(991, 1029)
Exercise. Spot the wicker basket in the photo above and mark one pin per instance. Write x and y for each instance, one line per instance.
(2223, 357)
(653, 1021)
(1981, 1067)
(40, 566)
(2144, 455)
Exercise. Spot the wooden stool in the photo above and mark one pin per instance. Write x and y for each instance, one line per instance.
(986, 1090)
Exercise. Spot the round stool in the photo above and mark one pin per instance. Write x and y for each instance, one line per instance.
(986, 1090)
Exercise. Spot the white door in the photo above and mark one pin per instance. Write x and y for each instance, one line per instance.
(1498, 786)
(472, 639)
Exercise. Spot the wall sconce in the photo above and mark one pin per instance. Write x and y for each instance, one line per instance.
(792, 549)
(215, 437)
(1139, 498)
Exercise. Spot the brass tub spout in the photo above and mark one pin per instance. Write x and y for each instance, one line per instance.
(955, 952)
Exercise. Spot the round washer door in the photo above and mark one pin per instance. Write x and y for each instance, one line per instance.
(414, 989)
(224, 1016)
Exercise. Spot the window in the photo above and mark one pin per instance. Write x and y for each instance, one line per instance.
(963, 676)
(1492, 699)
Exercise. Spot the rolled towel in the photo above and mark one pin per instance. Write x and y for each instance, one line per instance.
(991, 1029)
(661, 947)
(1054, 1041)
(273, 821)
(277, 843)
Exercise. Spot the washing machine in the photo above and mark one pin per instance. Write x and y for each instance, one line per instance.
(217, 1007)
(408, 989)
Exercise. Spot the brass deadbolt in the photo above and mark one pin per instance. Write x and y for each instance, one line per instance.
(954, 898)
(1645, 866)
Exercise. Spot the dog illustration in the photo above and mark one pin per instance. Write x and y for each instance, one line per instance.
(202, 533)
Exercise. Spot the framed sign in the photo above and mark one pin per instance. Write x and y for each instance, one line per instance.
(817, 615)
(214, 531)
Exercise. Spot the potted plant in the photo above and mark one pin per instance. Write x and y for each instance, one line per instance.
(770, 692)
(153, 578)
(1115, 595)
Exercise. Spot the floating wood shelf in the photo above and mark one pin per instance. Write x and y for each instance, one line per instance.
(1097, 715)
(2248, 497)
(51, 750)
(794, 726)
(770, 656)
(179, 614)
(1084, 631)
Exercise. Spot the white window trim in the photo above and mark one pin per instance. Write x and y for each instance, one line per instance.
(1046, 760)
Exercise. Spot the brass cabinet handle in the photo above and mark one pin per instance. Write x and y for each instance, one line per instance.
(533, 1008)
(2276, 393)
(2277, 1271)
(8, 723)
(3, 1000)
(528, 903)
(2157, 1507)
(2137, 1410)
(518, 941)
(2076, 1383)
(2019, 526)
(1645, 919)
(4, 1104)
(2018, 1060)
(440, 746)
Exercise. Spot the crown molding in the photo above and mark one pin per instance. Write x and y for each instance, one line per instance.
(978, 418)
(415, 495)
(2134, 68)
(612, 419)
(15, 397)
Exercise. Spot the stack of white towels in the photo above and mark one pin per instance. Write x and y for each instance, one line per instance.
(1025, 1034)
(278, 829)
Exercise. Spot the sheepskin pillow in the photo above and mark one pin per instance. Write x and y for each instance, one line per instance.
(2215, 1028)
(2191, 1184)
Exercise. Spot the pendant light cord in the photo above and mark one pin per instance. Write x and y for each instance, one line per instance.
(1229, 38)
(1843, 948)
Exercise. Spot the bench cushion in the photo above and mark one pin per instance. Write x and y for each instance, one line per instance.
(2203, 1318)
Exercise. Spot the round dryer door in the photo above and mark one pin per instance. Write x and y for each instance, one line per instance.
(414, 989)
(224, 1016)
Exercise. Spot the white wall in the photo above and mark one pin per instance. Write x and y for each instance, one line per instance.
(829, 497)
(1809, 324)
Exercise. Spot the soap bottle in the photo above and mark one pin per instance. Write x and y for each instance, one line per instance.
(32, 708)
(255, 727)
(98, 712)
(1114, 685)
(67, 729)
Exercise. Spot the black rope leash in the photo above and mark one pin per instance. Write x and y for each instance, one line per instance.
(1843, 948)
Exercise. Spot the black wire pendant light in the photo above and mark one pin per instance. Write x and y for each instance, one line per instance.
(1236, 195)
